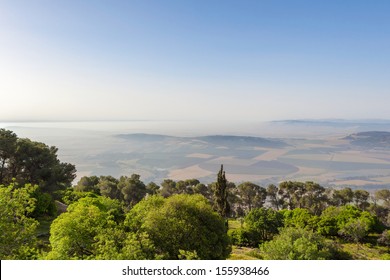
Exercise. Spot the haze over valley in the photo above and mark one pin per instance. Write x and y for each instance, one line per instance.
(331, 152)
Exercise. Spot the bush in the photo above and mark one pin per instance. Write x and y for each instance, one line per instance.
(298, 244)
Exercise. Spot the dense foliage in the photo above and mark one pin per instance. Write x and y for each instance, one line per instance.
(180, 226)
(26, 161)
(298, 244)
(17, 228)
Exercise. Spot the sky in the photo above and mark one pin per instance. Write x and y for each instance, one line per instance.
(194, 60)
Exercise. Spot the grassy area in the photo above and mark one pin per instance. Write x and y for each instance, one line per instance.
(366, 251)
(244, 253)
(349, 251)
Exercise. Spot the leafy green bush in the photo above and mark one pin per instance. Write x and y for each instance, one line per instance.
(181, 226)
(298, 244)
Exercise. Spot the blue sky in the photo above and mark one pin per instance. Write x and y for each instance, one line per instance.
(194, 60)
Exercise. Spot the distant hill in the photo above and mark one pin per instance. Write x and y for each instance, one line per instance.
(355, 125)
(228, 140)
(144, 137)
(220, 140)
(370, 139)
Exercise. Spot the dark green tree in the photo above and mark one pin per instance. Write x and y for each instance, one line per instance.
(152, 188)
(108, 186)
(273, 196)
(203, 190)
(314, 198)
(292, 194)
(32, 162)
(132, 189)
(384, 197)
(341, 197)
(361, 199)
(8, 141)
(251, 195)
(264, 223)
(221, 204)
(168, 188)
(88, 184)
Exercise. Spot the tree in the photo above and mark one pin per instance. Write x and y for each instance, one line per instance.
(384, 238)
(132, 189)
(168, 188)
(88, 184)
(8, 141)
(341, 220)
(361, 199)
(298, 244)
(152, 188)
(263, 223)
(108, 186)
(291, 194)
(221, 204)
(299, 218)
(17, 229)
(203, 190)
(274, 199)
(384, 197)
(314, 198)
(341, 197)
(180, 225)
(355, 230)
(32, 162)
(76, 233)
(252, 195)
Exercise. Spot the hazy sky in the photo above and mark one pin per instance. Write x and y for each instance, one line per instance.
(168, 60)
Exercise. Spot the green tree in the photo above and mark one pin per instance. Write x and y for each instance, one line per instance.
(203, 190)
(132, 189)
(299, 218)
(17, 229)
(384, 238)
(384, 197)
(263, 223)
(341, 197)
(180, 225)
(8, 141)
(361, 199)
(88, 184)
(32, 162)
(221, 204)
(108, 187)
(314, 198)
(274, 198)
(168, 188)
(291, 194)
(336, 221)
(298, 244)
(75, 233)
(152, 188)
(251, 195)
(355, 230)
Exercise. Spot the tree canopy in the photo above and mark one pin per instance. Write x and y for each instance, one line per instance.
(32, 162)
(17, 229)
(181, 225)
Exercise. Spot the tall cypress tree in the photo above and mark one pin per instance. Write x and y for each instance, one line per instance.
(221, 204)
